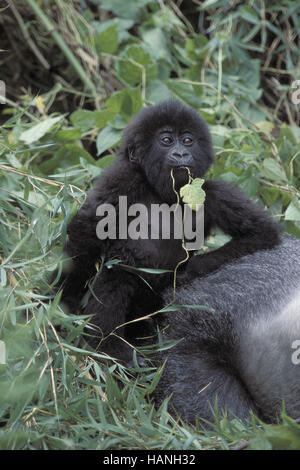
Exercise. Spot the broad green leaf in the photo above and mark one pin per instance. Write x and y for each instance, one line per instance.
(37, 131)
(68, 155)
(270, 195)
(156, 41)
(106, 161)
(249, 112)
(249, 14)
(193, 194)
(131, 72)
(265, 126)
(219, 133)
(126, 102)
(13, 160)
(272, 170)
(278, 437)
(157, 91)
(108, 40)
(102, 118)
(138, 54)
(107, 138)
(129, 9)
(84, 119)
(118, 122)
(293, 210)
(186, 92)
(68, 135)
(197, 47)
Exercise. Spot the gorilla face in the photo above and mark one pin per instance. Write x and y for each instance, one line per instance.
(178, 149)
(172, 152)
(165, 139)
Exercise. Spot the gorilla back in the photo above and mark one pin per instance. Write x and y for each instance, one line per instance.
(243, 353)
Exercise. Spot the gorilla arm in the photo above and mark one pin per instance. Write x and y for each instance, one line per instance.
(81, 253)
(83, 248)
(247, 223)
(108, 304)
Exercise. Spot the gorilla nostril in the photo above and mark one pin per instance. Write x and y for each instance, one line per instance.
(181, 155)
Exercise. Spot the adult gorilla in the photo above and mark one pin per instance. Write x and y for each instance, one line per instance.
(246, 352)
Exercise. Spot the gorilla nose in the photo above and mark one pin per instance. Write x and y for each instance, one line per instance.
(181, 158)
(181, 154)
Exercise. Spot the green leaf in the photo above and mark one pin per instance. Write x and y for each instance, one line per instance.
(68, 135)
(270, 195)
(66, 156)
(249, 14)
(197, 47)
(107, 40)
(187, 92)
(265, 126)
(37, 131)
(272, 170)
(107, 139)
(193, 194)
(130, 9)
(103, 117)
(157, 91)
(83, 119)
(156, 41)
(219, 134)
(293, 210)
(86, 120)
(138, 54)
(249, 186)
(131, 72)
(126, 102)
(278, 437)
(106, 161)
(118, 122)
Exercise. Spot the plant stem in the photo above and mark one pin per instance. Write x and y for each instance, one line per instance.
(62, 45)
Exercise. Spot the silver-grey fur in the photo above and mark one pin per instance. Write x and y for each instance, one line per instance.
(241, 353)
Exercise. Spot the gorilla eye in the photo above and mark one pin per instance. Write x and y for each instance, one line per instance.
(187, 140)
(167, 140)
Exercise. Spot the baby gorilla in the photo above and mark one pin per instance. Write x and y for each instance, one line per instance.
(245, 352)
(169, 138)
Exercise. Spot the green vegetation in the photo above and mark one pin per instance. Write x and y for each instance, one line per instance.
(75, 74)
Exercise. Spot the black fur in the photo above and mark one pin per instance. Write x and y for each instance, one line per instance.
(142, 173)
(241, 353)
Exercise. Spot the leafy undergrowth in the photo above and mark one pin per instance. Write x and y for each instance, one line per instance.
(54, 392)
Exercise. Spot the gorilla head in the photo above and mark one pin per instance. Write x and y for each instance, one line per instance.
(165, 137)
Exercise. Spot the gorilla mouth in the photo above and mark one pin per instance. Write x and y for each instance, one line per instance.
(182, 169)
(181, 166)
(181, 174)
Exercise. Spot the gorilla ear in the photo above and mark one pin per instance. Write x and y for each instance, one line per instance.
(133, 158)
